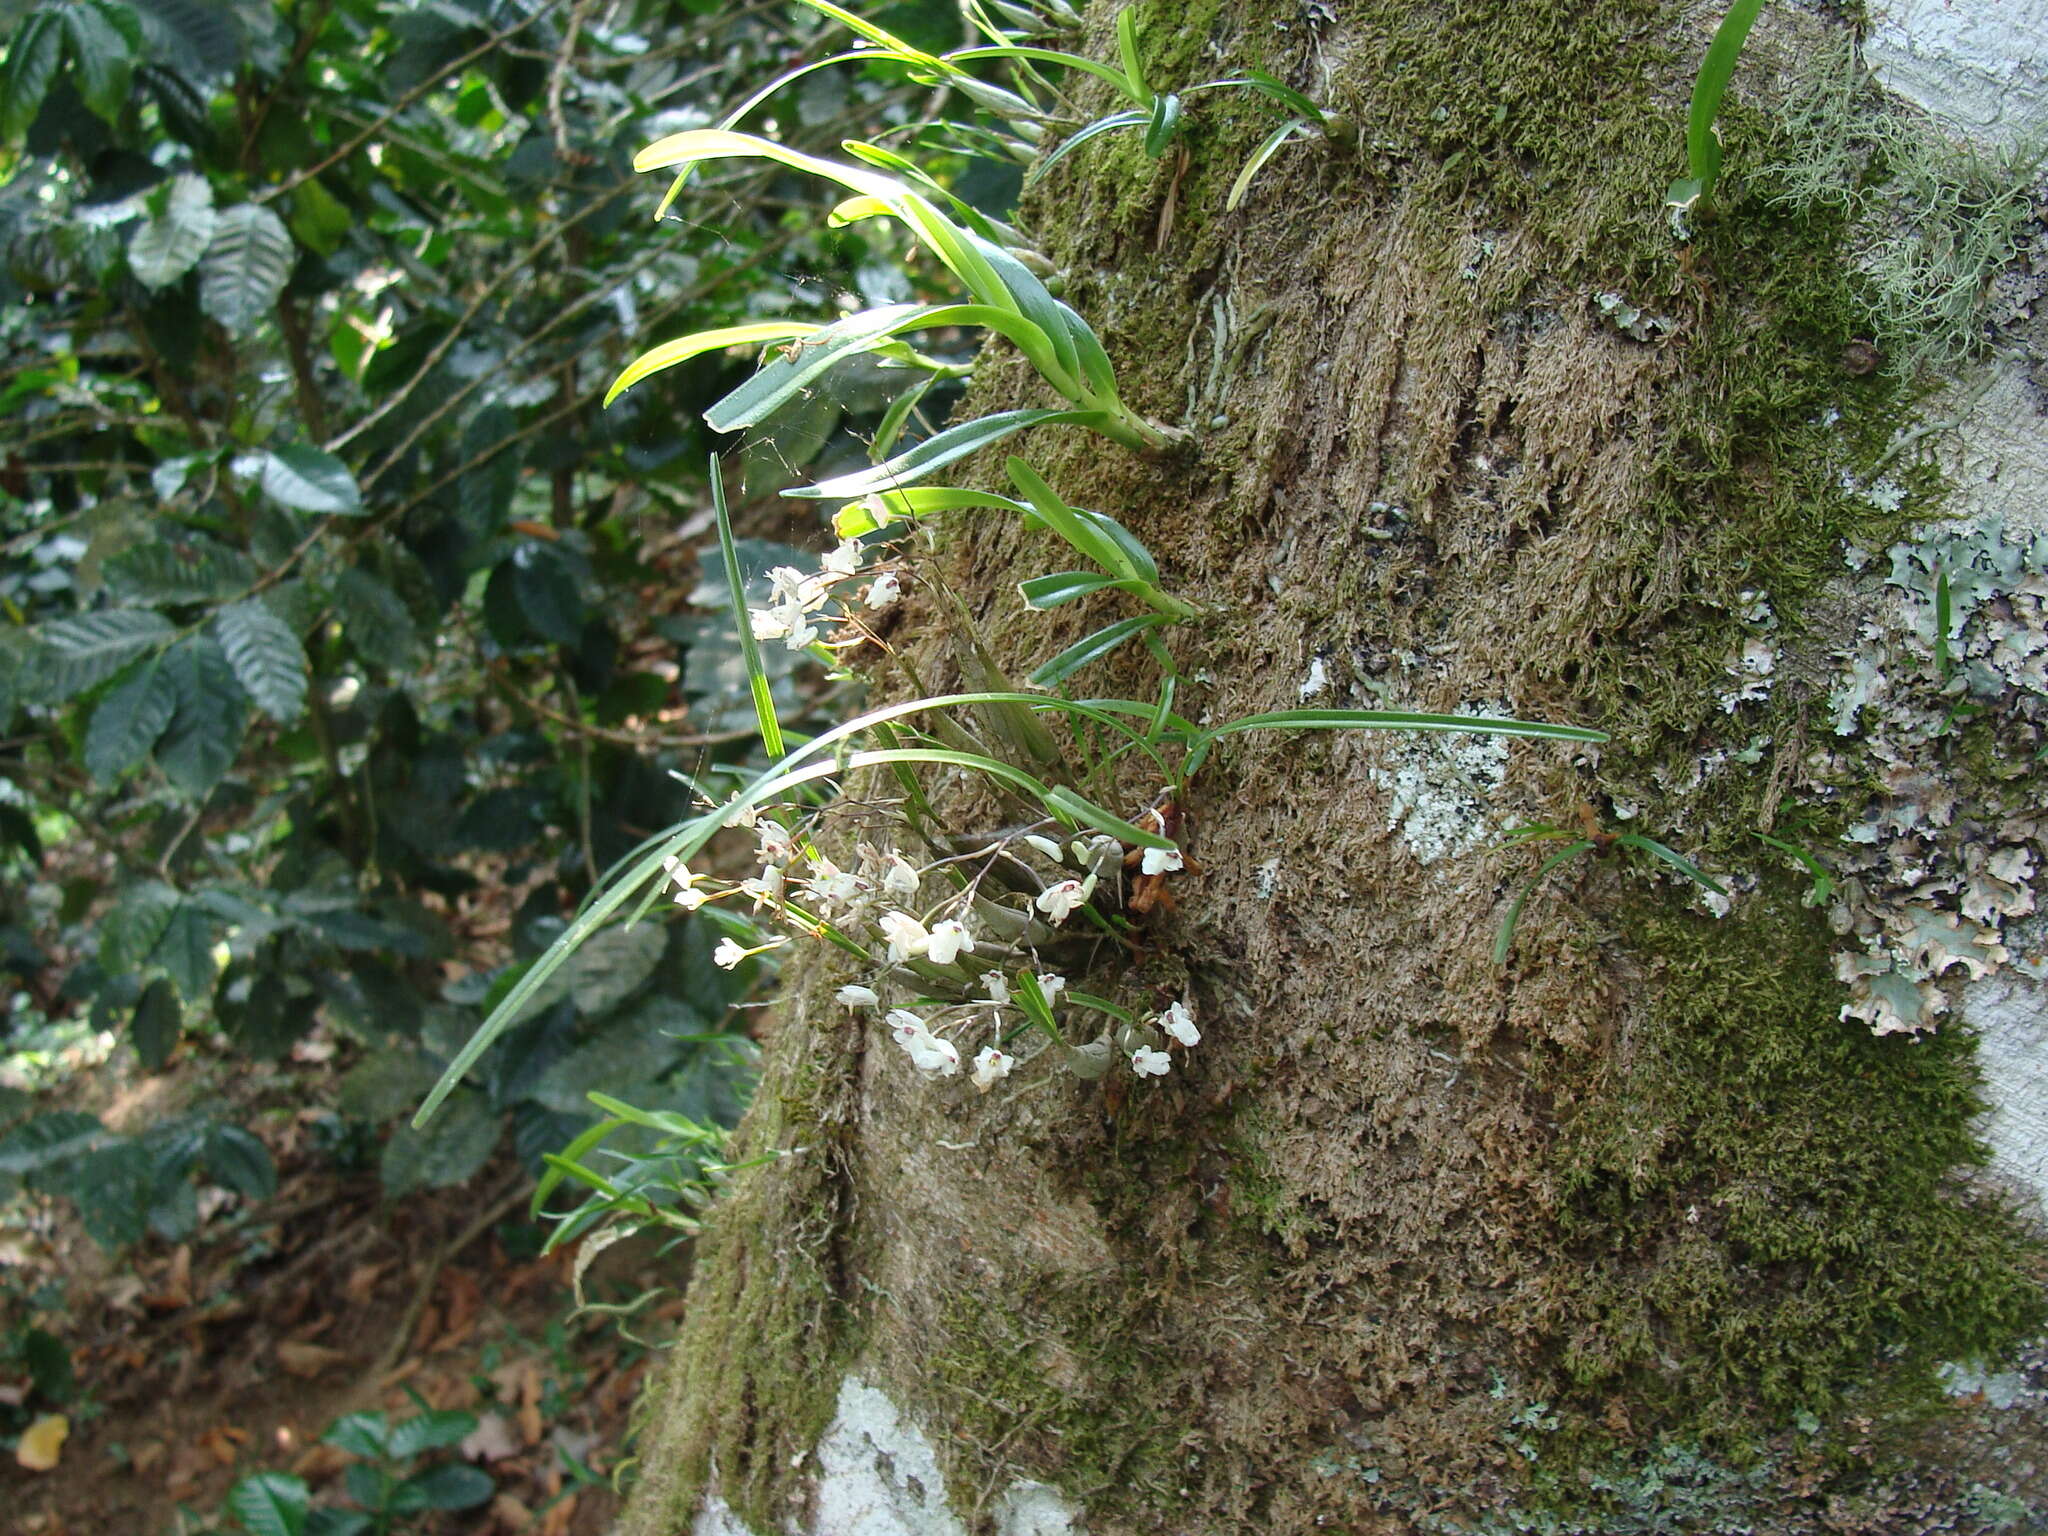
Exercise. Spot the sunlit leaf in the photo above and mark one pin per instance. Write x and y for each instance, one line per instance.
(268, 660)
(169, 242)
(246, 266)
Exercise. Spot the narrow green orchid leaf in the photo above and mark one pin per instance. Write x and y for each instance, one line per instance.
(1717, 67)
(1676, 860)
(1092, 648)
(681, 350)
(736, 594)
(941, 449)
(1268, 148)
(1163, 124)
(1082, 135)
(1127, 51)
(1504, 941)
(1064, 587)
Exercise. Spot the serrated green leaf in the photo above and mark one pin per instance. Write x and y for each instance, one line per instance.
(375, 621)
(49, 1140)
(455, 1146)
(74, 654)
(131, 930)
(614, 964)
(128, 721)
(270, 1504)
(198, 37)
(212, 714)
(386, 1084)
(246, 266)
(192, 569)
(628, 1051)
(33, 54)
(433, 1430)
(103, 42)
(157, 1022)
(266, 656)
(450, 1486)
(270, 1021)
(169, 242)
(306, 479)
(365, 1434)
(185, 951)
(237, 1160)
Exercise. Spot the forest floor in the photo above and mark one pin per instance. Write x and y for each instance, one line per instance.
(199, 1363)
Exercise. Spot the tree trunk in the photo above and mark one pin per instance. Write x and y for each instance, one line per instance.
(1634, 1232)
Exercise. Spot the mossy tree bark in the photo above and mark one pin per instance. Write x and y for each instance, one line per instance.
(1410, 1241)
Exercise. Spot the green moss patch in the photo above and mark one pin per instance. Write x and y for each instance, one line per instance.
(1085, 1397)
(1760, 1208)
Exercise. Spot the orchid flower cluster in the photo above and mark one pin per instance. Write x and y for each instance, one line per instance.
(953, 947)
(797, 596)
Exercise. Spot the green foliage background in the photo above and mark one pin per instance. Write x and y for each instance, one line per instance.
(333, 612)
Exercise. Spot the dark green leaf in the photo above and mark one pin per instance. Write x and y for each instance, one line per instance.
(33, 54)
(192, 569)
(114, 1188)
(212, 715)
(270, 1021)
(270, 1504)
(546, 591)
(376, 623)
(491, 472)
(612, 965)
(128, 721)
(103, 41)
(74, 654)
(185, 951)
(455, 1146)
(267, 658)
(629, 1051)
(49, 1140)
(386, 1084)
(452, 1485)
(199, 37)
(240, 1162)
(156, 1025)
(132, 929)
(432, 1430)
(307, 479)
(246, 266)
(360, 1434)
(49, 1365)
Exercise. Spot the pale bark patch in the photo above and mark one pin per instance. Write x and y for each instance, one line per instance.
(2010, 1014)
(1978, 67)
(876, 1474)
